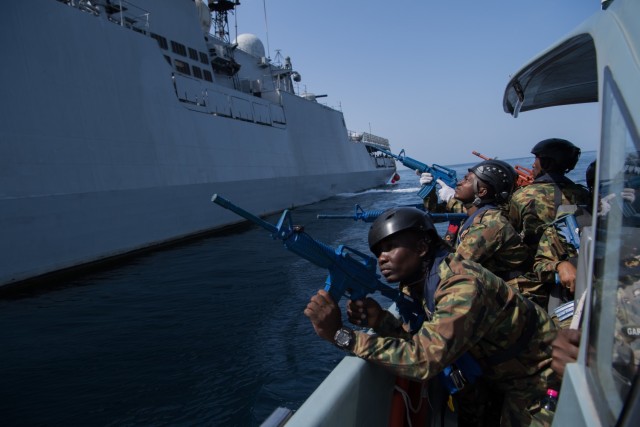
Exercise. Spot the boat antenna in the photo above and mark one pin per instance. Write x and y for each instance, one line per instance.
(278, 59)
(264, 7)
(221, 9)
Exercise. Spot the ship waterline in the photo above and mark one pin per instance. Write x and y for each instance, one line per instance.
(110, 143)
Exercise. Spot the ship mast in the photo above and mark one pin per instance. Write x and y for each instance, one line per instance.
(221, 9)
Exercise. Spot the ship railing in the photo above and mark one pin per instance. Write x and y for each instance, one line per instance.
(369, 139)
(120, 12)
(127, 14)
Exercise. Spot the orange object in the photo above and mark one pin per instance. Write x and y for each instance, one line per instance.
(408, 401)
(525, 175)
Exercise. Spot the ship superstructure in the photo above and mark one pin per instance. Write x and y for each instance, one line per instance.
(121, 118)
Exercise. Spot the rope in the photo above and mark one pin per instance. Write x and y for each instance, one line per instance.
(408, 404)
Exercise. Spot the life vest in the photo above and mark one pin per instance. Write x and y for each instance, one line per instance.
(465, 370)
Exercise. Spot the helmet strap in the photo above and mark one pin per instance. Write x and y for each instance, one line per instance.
(477, 201)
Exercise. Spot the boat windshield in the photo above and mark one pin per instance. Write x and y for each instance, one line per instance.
(613, 353)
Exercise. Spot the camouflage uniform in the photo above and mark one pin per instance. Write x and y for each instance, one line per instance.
(552, 250)
(453, 206)
(475, 312)
(491, 241)
(431, 204)
(534, 206)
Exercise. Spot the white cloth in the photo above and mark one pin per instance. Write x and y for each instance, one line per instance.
(627, 195)
(445, 193)
(425, 178)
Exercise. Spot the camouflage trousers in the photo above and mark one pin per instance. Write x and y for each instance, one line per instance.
(521, 406)
(531, 288)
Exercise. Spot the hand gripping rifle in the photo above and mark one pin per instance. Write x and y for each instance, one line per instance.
(567, 227)
(447, 175)
(370, 216)
(351, 273)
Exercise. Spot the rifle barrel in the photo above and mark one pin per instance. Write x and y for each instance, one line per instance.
(247, 215)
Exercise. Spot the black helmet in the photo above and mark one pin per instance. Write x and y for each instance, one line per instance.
(499, 175)
(561, 153)
(399, 219)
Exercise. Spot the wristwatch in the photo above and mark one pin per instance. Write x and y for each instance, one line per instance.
(344, 338)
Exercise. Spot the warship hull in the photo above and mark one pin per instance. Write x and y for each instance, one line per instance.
(107, 144)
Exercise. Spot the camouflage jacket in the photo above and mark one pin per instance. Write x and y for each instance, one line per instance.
(553, 249)
(534, 205)
(491, 241)
(431, 204)
(475, 312)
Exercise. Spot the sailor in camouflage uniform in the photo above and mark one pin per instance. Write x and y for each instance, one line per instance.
(442, 201)
(554, 250)
(533, 206)
(556, 258)
(556, 267)
(487, 236)
(468, 310)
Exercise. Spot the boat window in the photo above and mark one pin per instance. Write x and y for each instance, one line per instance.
(182, 67)
(197, 72)
(162, 42)
(204, 58)
(193, 54)
(207, 75)
(613, 354)
(178, 48)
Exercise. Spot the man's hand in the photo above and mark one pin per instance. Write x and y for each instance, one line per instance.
(365, 312)
(567, 275)
(445, 193)
(565, 349)
(324, 314)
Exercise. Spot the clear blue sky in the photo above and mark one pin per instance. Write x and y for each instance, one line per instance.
(427, 75)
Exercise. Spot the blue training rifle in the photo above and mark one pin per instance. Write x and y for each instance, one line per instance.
(351, 273)
(447, 175)
(370, 216)
(569, 229)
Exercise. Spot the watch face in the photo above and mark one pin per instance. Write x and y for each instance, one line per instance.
(343, 338)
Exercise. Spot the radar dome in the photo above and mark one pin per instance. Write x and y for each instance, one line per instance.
(251, 44)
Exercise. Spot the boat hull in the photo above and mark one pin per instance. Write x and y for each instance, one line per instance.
(100, 154)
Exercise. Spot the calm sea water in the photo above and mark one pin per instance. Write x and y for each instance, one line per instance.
(210, 333)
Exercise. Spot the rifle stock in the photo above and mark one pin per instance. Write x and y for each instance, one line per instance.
(525, 175)
(351, 273)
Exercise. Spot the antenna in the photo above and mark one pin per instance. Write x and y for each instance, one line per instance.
(266, 25)
(221, 8)
(278, 59)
